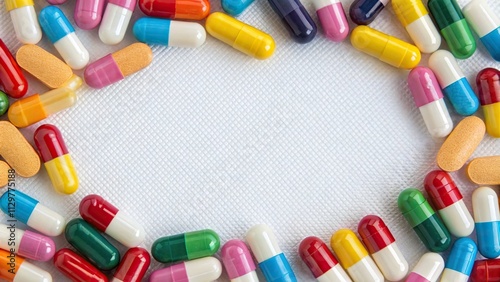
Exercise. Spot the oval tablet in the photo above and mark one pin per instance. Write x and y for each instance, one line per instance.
(461, 143)
(16, 151)
(4, 173)
(484, 170)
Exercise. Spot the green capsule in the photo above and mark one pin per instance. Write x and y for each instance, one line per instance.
(4, 103)
(91, 244)
(187, 246)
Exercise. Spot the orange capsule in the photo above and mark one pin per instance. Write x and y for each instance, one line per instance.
(176, 9)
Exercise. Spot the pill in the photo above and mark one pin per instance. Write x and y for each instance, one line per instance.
(88, 13)
(486, 270)
(169, 32)
(424, 221)
(4, 103)
(116, 66)
(447, 199)
(235, 7)
(484, 170)
(363, 12)
(17, 152)
(242, 37)
(428, 268)
(382, 247)
(62, 34)
(354, 258)
(76, 267)
(487, 219)
(56, 158)
(133, 265)
(27, 244)
(267, 252)
(29, 211)
(4, 174)
(176, 9)
(116, 20)
(56, 2)
(488, 87)
(332, 18)
(296, 19)
(12, 79)
(386, 48)
(460, 261)
(43, 66)
(24, 20)
(428, 98)
(203, 269)
(186, 246)
(453, 83)
(16, 269)
(108, 219)
(238, 262)
(37, 107)
(320, 260)
(486, 23)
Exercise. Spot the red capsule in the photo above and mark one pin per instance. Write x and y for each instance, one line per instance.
(487, 270)
(133, 266)
(176, 9)
(77, 268)
(441, 189)
(374, 233)
(488, 86)
(49, 142)
(12, 79)
(320, 260)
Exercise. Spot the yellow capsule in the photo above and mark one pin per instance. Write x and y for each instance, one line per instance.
(384, 47)
(409, 11)
(492, 116)
(240, 36)
(15, 4)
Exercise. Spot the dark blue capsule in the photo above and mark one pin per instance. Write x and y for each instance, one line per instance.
(363, 12)
(296, 19)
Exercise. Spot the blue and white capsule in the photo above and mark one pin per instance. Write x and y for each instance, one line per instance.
(30, 212)
(486, 24)
(62, 34)
(235, 7)
(454, 83)
(487, 219)
(460, 261)
(169, 32)
(266, 250)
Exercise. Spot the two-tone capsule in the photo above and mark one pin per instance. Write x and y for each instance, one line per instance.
(332, 18)
(238, 262)
(486, 24)
(16, 269)
(203, 269)
(428, 268)
(12, 79)
(116, 20)
(169, 32)
(488, 87)
(296, 19)
(176, 9)
(27, 244)
(24, 20)
(363, 12)
(235, 7)
(460, 261)
(487, 219)
(88, 13)
(133, 265)
(486, 270)
(76, 267)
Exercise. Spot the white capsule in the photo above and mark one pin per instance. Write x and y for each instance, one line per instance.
(428, 268)
(198, 270)
(169, 32)
(487, 219)
(391, 262)
(335, 274)
(115, 21)
(424, 34)
(24, 21)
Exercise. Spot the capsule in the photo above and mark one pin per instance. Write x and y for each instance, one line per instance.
(88, 13)
(176, 9)
(169, 32)
(386, 48)
(453, 83)
(30, 212)
(76, 267)
(415, 19)
(115, 67)
(35, 108)
(363, 12)
(382, 247)
(186, 246)
(428, 268)
(133, 266)
(354, 258)
(12, 79)
(24, 20)
(429, 100)
(238, 262)
(296, 19)
(4, 104)
(240, 36)
(332, 18)
(486, 270)
(460, 261)
(203, 269)
(453, 27)
(235, 7)
(91, 244)
(116, 20)
(320, 260)
(487, 217)
(423, 220)
(108, 219)
(26, 243)
(271, 259)
(62, 34)
(488, 87)
(447, 199)
(16, 269)
(56, 2)
(486, 24)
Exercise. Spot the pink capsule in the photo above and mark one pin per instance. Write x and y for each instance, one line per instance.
(333, 19)
(238, 261)
(56, 2)
(27, 244)
(88, 13)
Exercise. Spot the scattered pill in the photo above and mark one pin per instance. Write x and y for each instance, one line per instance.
(116, 20)
(488, 87)
(27, 244)
(17, 152)
(484, 170)
(4, 174)
(20, 270)
(428, 268)
(4, 103)
(169, 32)
(203, 269)
(238, 262)
(76, 267)
(486, 270)
(12, 79)
(486, 24)
(363, 12)
(88, 13)
(24, 20)
(296, 19)
(133, 266)
(235, 7)
(108, 219)
(386, 48)
(332, 18)
(460, 261)
(176, 9)
(487, 219)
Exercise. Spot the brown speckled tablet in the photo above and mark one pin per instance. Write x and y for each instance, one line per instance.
(17, 152)
(484, 170)
(460, 144)
(4, 173)
(133, 58)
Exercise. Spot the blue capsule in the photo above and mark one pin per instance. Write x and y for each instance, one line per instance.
(487, 219)
(296, 19)
(486, 23)
(460, 261)
(235, 7)
(169, 32)
(363, 12)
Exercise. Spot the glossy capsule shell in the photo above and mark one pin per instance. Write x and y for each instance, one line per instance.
(487, 219)
(486, 270)
(30, 212)
(453, 83)
(238, 262)
(133, 266)
(25, 243)
(459, 265)
(88, 13)
(332, 18)
(56, 2)
(12, 79)
(386, 48)
(428, 268)
(488, 87)
(486, 23)
(424, 221)
(203, 269)
(242, 37)
(169, 32)
(320, 260)
(235, 7)
(176, 9)
(116, 20)
(296, 19)
(76, 267)
(382, 246)
(4, 104)
(24, 20)
(16, 269)
(363, 12)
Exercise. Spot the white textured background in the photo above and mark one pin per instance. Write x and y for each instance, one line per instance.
(308, 141)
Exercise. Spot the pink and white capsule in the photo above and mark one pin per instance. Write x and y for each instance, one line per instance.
(116, 20)
(333, 19)
(238, 262)
(428, 268)
(88, 13)
(203, 269)
(26, 243)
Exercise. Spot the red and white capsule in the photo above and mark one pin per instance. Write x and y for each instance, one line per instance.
(76, 267)
(133, 266)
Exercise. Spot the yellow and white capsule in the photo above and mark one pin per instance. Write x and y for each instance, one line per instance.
(25, 21)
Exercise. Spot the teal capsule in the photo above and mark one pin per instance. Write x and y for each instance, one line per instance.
(187, 246)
